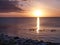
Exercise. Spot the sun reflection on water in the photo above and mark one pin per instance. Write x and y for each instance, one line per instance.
(38, 25)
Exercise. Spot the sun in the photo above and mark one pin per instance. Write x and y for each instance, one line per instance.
(37, 13)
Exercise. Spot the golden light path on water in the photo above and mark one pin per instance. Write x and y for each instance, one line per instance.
(38, 25)
(37, 13)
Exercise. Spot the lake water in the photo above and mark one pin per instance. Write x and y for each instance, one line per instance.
(25, 27)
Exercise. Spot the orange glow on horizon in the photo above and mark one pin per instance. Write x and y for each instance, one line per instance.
(37, 13)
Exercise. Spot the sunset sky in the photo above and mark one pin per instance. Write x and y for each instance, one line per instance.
(24, 8)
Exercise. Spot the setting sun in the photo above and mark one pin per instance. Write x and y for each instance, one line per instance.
(37, 13)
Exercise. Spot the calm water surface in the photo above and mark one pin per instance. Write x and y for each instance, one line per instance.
(23, 27)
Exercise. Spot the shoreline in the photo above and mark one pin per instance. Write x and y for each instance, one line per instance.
(14, 40)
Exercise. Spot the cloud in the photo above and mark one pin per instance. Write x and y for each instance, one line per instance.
(9, 6)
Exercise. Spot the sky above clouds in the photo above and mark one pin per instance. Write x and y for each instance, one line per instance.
(51, 7)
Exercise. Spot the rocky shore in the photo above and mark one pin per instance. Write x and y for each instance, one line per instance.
(12, 40)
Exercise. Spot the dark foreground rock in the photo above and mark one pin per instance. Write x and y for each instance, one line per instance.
(9, 40)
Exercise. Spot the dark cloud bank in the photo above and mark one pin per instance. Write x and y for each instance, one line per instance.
(9, 6)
